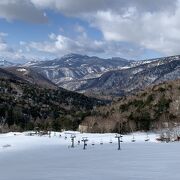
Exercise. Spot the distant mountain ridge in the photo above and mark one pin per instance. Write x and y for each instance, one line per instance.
(105, 77)
(76, 67)
(137, 77)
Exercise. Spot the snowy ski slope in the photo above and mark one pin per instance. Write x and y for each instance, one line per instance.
(25, 157)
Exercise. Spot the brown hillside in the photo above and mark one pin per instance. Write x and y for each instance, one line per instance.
(153, 108)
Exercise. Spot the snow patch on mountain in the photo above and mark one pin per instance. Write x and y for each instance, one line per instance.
(21, 70)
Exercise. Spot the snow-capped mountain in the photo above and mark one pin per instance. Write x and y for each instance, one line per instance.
(140, 75)
(113, 76)
(75, 68)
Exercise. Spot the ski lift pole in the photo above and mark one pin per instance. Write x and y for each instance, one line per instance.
(72, 140)
(84, 140)
(118, 136)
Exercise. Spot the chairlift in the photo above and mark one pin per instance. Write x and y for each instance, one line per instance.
(84, 140)
(72, 140)
(118, 136)
(147, 138)
(121, 140)
(133, 139)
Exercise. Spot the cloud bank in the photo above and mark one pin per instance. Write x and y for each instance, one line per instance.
(127, 26)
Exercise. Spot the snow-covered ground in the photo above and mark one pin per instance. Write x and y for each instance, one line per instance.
(25, 157)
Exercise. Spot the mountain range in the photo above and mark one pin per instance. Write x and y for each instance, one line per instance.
(100, 77)
(135, 78)
(70, 70)
(36, 91)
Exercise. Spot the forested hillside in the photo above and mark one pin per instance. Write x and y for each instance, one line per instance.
(154, 108)
(24, 106)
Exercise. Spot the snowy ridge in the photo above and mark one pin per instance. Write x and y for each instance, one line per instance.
(86, 74)
(138, 77)
(76, 67)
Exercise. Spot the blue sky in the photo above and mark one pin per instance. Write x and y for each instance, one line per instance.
(134, 29)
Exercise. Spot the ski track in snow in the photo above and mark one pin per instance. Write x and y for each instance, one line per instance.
(25, 157)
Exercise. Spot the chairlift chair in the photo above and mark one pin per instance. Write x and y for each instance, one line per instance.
(133, 139)
(147, 138)
(101, 142)
(121, 138)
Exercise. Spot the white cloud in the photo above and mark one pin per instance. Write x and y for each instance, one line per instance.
(158, 31)
(77, 7)
(7, 52)
(151, 24)
(2, 34)
(21, 9)
(52, 36)
(45, 46)
(78, 28)
(22, 43)
(71, 7)
(60, 45)
(142, 24)
(3, 44)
